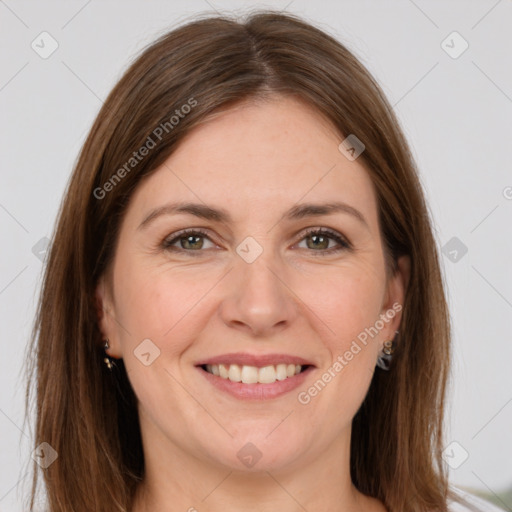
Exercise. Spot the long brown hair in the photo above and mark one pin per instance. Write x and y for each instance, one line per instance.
(87, 414)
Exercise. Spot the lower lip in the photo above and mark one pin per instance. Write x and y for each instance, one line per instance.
(257, 391)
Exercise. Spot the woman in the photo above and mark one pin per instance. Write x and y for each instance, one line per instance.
(243, 307)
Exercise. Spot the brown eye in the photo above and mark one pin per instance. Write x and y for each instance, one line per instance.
(188, 240)
(191, 242)
(318, 240)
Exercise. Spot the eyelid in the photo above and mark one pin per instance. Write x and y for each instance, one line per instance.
(343, 242)
(168, 241)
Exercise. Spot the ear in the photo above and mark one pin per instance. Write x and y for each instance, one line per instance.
(105, 313)
(395, 296)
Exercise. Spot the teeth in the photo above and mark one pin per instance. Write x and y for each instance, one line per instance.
(253, 374)
(281, 372)
(249, 374)
(235, 373)
(223, 370)
(267, 374)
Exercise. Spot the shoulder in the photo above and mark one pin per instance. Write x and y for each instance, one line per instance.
(474, 504)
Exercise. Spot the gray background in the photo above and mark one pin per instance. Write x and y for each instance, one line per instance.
(456, 113)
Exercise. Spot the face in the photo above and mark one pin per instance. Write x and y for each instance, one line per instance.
(258, 288)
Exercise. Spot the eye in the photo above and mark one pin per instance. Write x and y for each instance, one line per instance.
(318, 240)
(190, 240)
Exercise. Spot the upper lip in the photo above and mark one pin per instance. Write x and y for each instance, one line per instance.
(244, 359)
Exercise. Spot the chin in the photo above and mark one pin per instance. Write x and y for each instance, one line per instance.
(257, 453)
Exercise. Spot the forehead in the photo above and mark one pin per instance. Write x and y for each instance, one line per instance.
(264, 157)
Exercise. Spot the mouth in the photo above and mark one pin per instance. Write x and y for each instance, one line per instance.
(249, 377)
(253, 374)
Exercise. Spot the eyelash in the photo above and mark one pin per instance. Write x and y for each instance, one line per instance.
(345, 245)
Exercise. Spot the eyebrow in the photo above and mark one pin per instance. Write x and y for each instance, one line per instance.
(221, 215)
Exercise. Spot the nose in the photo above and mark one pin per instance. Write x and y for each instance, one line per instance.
(257, 299)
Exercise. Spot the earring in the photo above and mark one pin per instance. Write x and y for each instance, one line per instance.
(386, 355)
(108, 360)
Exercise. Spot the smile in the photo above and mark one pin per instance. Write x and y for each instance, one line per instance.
(255, 376)
(252, 374)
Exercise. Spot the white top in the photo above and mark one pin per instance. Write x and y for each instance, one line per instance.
(479, 504)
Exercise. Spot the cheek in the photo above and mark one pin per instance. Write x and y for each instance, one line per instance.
(347, 310)
(159, 302)
(348, 303)
(164, 306)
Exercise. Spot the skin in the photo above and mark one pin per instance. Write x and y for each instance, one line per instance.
(255, 160)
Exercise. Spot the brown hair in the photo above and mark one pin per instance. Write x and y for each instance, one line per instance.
(88, 415)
